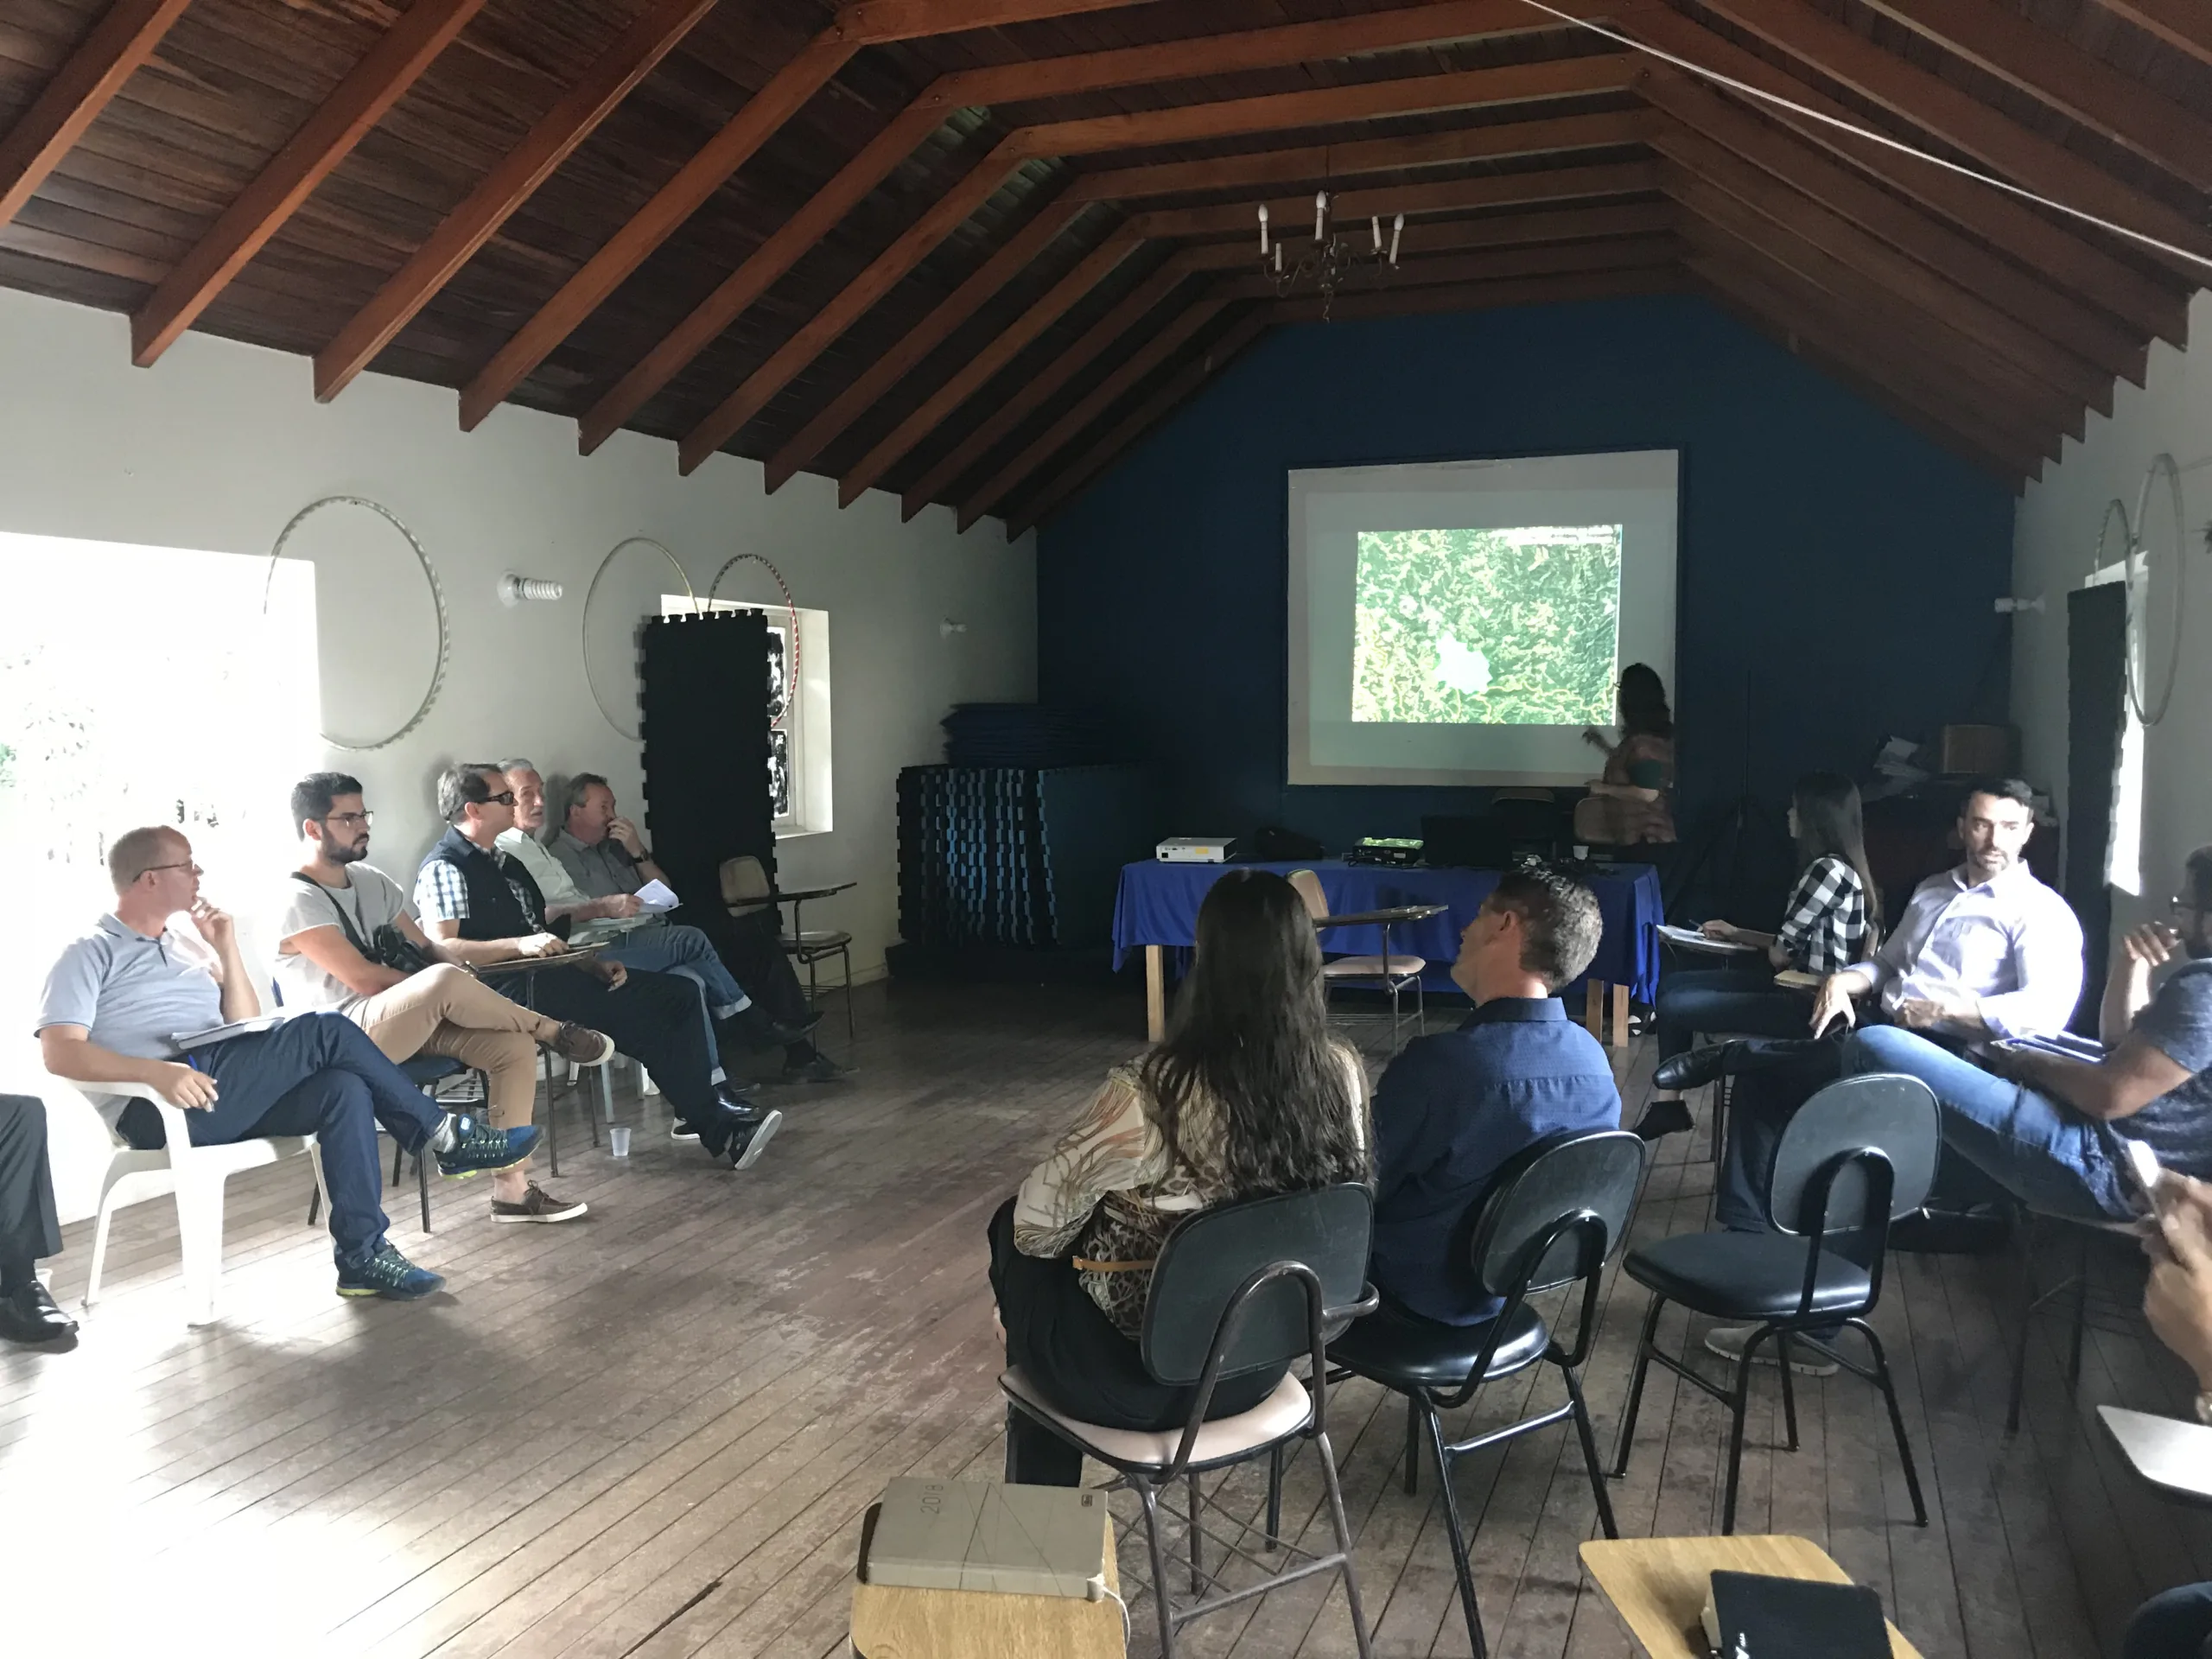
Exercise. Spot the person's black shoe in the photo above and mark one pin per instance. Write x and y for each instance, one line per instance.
(796, 1031)
(736, 1102)
(30, 1316)
(820, 1068)
(1695, 1069)
(750, 1139)
(1662, 1118)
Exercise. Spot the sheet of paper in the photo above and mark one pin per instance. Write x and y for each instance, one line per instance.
(1690, 939)
(657, 896)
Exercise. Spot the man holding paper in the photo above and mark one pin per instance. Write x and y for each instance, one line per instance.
(339, 916)
(630, 916)
(603, 855)
(132, 1002)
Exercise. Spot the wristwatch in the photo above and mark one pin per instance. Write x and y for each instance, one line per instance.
(2204, 1409)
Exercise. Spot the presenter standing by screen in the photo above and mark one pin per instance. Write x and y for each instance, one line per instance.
(1628, 805)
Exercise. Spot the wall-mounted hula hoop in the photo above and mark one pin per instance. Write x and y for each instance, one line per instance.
(583, 637)
(713, 588)
(2144, 711)
(437, 603)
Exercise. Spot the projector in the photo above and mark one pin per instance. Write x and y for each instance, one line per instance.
(1383, 849)
(1196, 850)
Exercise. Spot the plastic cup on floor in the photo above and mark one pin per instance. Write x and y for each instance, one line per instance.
(619, 1138)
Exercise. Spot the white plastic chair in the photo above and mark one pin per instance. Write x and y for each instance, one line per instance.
(195, 1177)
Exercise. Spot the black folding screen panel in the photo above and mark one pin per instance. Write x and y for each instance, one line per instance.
(2096, 686)
(703, 691)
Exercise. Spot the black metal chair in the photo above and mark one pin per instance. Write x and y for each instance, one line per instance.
(1551, 1217)
(1237, 1290)
(1858, 1156)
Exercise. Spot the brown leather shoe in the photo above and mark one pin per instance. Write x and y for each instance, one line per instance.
(538, 1204)
(582, 1045)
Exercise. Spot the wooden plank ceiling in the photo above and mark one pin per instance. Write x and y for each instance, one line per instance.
(968, 250)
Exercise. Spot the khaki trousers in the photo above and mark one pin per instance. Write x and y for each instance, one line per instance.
(448, 1010)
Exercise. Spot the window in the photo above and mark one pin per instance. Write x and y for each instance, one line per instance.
(798, 716)
(2124, 845)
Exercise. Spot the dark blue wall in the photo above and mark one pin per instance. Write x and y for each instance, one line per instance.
(1829, 552)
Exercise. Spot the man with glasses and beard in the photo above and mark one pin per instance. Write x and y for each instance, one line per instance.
(2053, 1131)
(336, 912)
(484, 906)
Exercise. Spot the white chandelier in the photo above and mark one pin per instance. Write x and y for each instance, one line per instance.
(1332, 258)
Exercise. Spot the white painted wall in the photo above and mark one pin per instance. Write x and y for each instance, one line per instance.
(218, 446)
(2055, 544)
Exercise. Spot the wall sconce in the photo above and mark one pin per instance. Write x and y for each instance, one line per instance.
(2014, 607)
(515, 590)
(948, 627)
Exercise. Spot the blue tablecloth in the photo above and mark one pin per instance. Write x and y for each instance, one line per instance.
(1158, 904)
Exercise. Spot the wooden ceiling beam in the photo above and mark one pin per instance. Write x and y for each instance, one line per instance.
(755, 275)
(2059, 254)
(1203, 366)
(1025, 401)
(1407, 26)
(1133, 367)
(847, 306)
(2080, 329)
(397, 59)
(869, 387)
(1959, 118)
(1457, 89)
(1549, 135)
(1414, 94)
(111, 53)
(632, 56)
(2052, 409)
(1433, 196)
(2050, 68)
(2002, 397)
(2183, 24)
(875, 23)
(763, 116)
(1862, 360)
(1956, 309)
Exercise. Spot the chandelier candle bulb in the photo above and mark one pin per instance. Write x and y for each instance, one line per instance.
(1320, 213)
(1375, 228)
(1278, 258)
(1263, 230)
(1397, 230)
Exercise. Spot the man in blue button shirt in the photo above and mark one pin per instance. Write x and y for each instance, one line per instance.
(1451, 1109)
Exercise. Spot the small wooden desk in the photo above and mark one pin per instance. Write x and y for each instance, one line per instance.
(893, 1622)
(1659, 1586)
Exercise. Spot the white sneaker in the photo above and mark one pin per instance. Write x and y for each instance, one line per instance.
(1729, 1341)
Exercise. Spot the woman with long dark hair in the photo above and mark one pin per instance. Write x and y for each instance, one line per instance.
(1833, 919)
(1628, 804)
(1248, 1095)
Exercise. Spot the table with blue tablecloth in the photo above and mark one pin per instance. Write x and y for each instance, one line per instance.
(1157, 910)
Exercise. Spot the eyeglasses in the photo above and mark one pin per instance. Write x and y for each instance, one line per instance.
(347, 820)
(2183, 904)
(187, 865)
(504, 798)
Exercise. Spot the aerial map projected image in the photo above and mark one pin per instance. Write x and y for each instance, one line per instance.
(1491, 627)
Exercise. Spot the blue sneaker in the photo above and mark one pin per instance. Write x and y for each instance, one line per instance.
(389, 1275)
(478, 1146)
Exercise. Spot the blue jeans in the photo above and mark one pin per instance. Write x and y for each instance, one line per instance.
(687, 952)
(2053, 1158)
(316, 1074)
(1737, 1001)
(2173, 1624)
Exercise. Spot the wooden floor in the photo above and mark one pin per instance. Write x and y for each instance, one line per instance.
(653, 1434)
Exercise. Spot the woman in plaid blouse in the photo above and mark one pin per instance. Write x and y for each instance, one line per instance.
(1833, 919)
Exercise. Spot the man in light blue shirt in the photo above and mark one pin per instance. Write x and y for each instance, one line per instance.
(130, 1002)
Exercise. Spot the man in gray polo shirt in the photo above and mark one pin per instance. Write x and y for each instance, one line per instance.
(141, 999)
